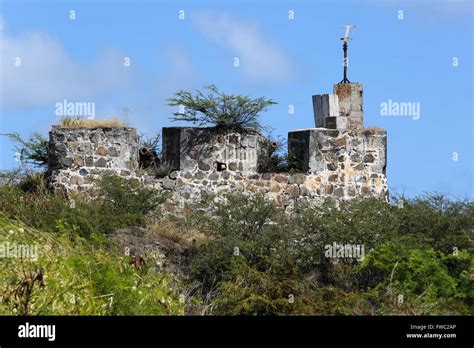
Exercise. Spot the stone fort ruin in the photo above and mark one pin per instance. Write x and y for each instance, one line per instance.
(337, 160)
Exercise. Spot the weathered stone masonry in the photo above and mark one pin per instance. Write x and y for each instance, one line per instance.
(76, 154)
(191, 148)
(338, 160)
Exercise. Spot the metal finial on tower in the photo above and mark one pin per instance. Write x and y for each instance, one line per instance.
(344, 47)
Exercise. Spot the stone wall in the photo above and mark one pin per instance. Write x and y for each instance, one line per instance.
(211, 149)
(321, 150)
(338, 162)
(284, 188)
(336, 165)
(76, 152)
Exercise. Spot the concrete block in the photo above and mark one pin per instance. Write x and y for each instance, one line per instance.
(324, 105)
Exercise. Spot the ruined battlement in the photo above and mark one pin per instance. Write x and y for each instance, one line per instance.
(211, 149)
(337, 160)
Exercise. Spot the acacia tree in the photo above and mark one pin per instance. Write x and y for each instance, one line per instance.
(33, 150)
(235, 112)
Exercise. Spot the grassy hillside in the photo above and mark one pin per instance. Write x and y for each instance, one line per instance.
(74, 276)
(118, 255)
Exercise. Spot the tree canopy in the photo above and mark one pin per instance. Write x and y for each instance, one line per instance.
(237, 112)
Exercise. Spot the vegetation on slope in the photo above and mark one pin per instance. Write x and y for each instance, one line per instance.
(57, 261)
(74, 276)
(418, 259)
(245, 257)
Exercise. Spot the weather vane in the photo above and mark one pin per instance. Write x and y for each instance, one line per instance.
(344, 47)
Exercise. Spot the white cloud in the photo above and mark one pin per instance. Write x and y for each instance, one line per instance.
(148, 110)
(261, 59)
(48, 74)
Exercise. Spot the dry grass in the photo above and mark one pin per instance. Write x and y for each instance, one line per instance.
(69, 122)
(187, 237)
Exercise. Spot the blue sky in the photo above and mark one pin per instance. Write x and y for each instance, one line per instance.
(409, 59)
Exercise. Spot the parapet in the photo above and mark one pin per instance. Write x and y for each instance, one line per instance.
(211, 149)
(75, 152)
(321, 150)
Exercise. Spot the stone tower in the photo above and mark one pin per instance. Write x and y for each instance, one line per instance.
(341, 110)
(350, 159)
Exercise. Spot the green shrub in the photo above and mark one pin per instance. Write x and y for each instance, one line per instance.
(430, 281)
(240, 227)
(126, 200)
(288, 251)
(235, 112)
(408, 271)
(71, 276)
(119, 205)
(262, 293)
(437, 222)
(432, 222)
(45, 211)
(33, 150)
(255, 259)
(365, 222)
(255, 292)
(243, 216)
